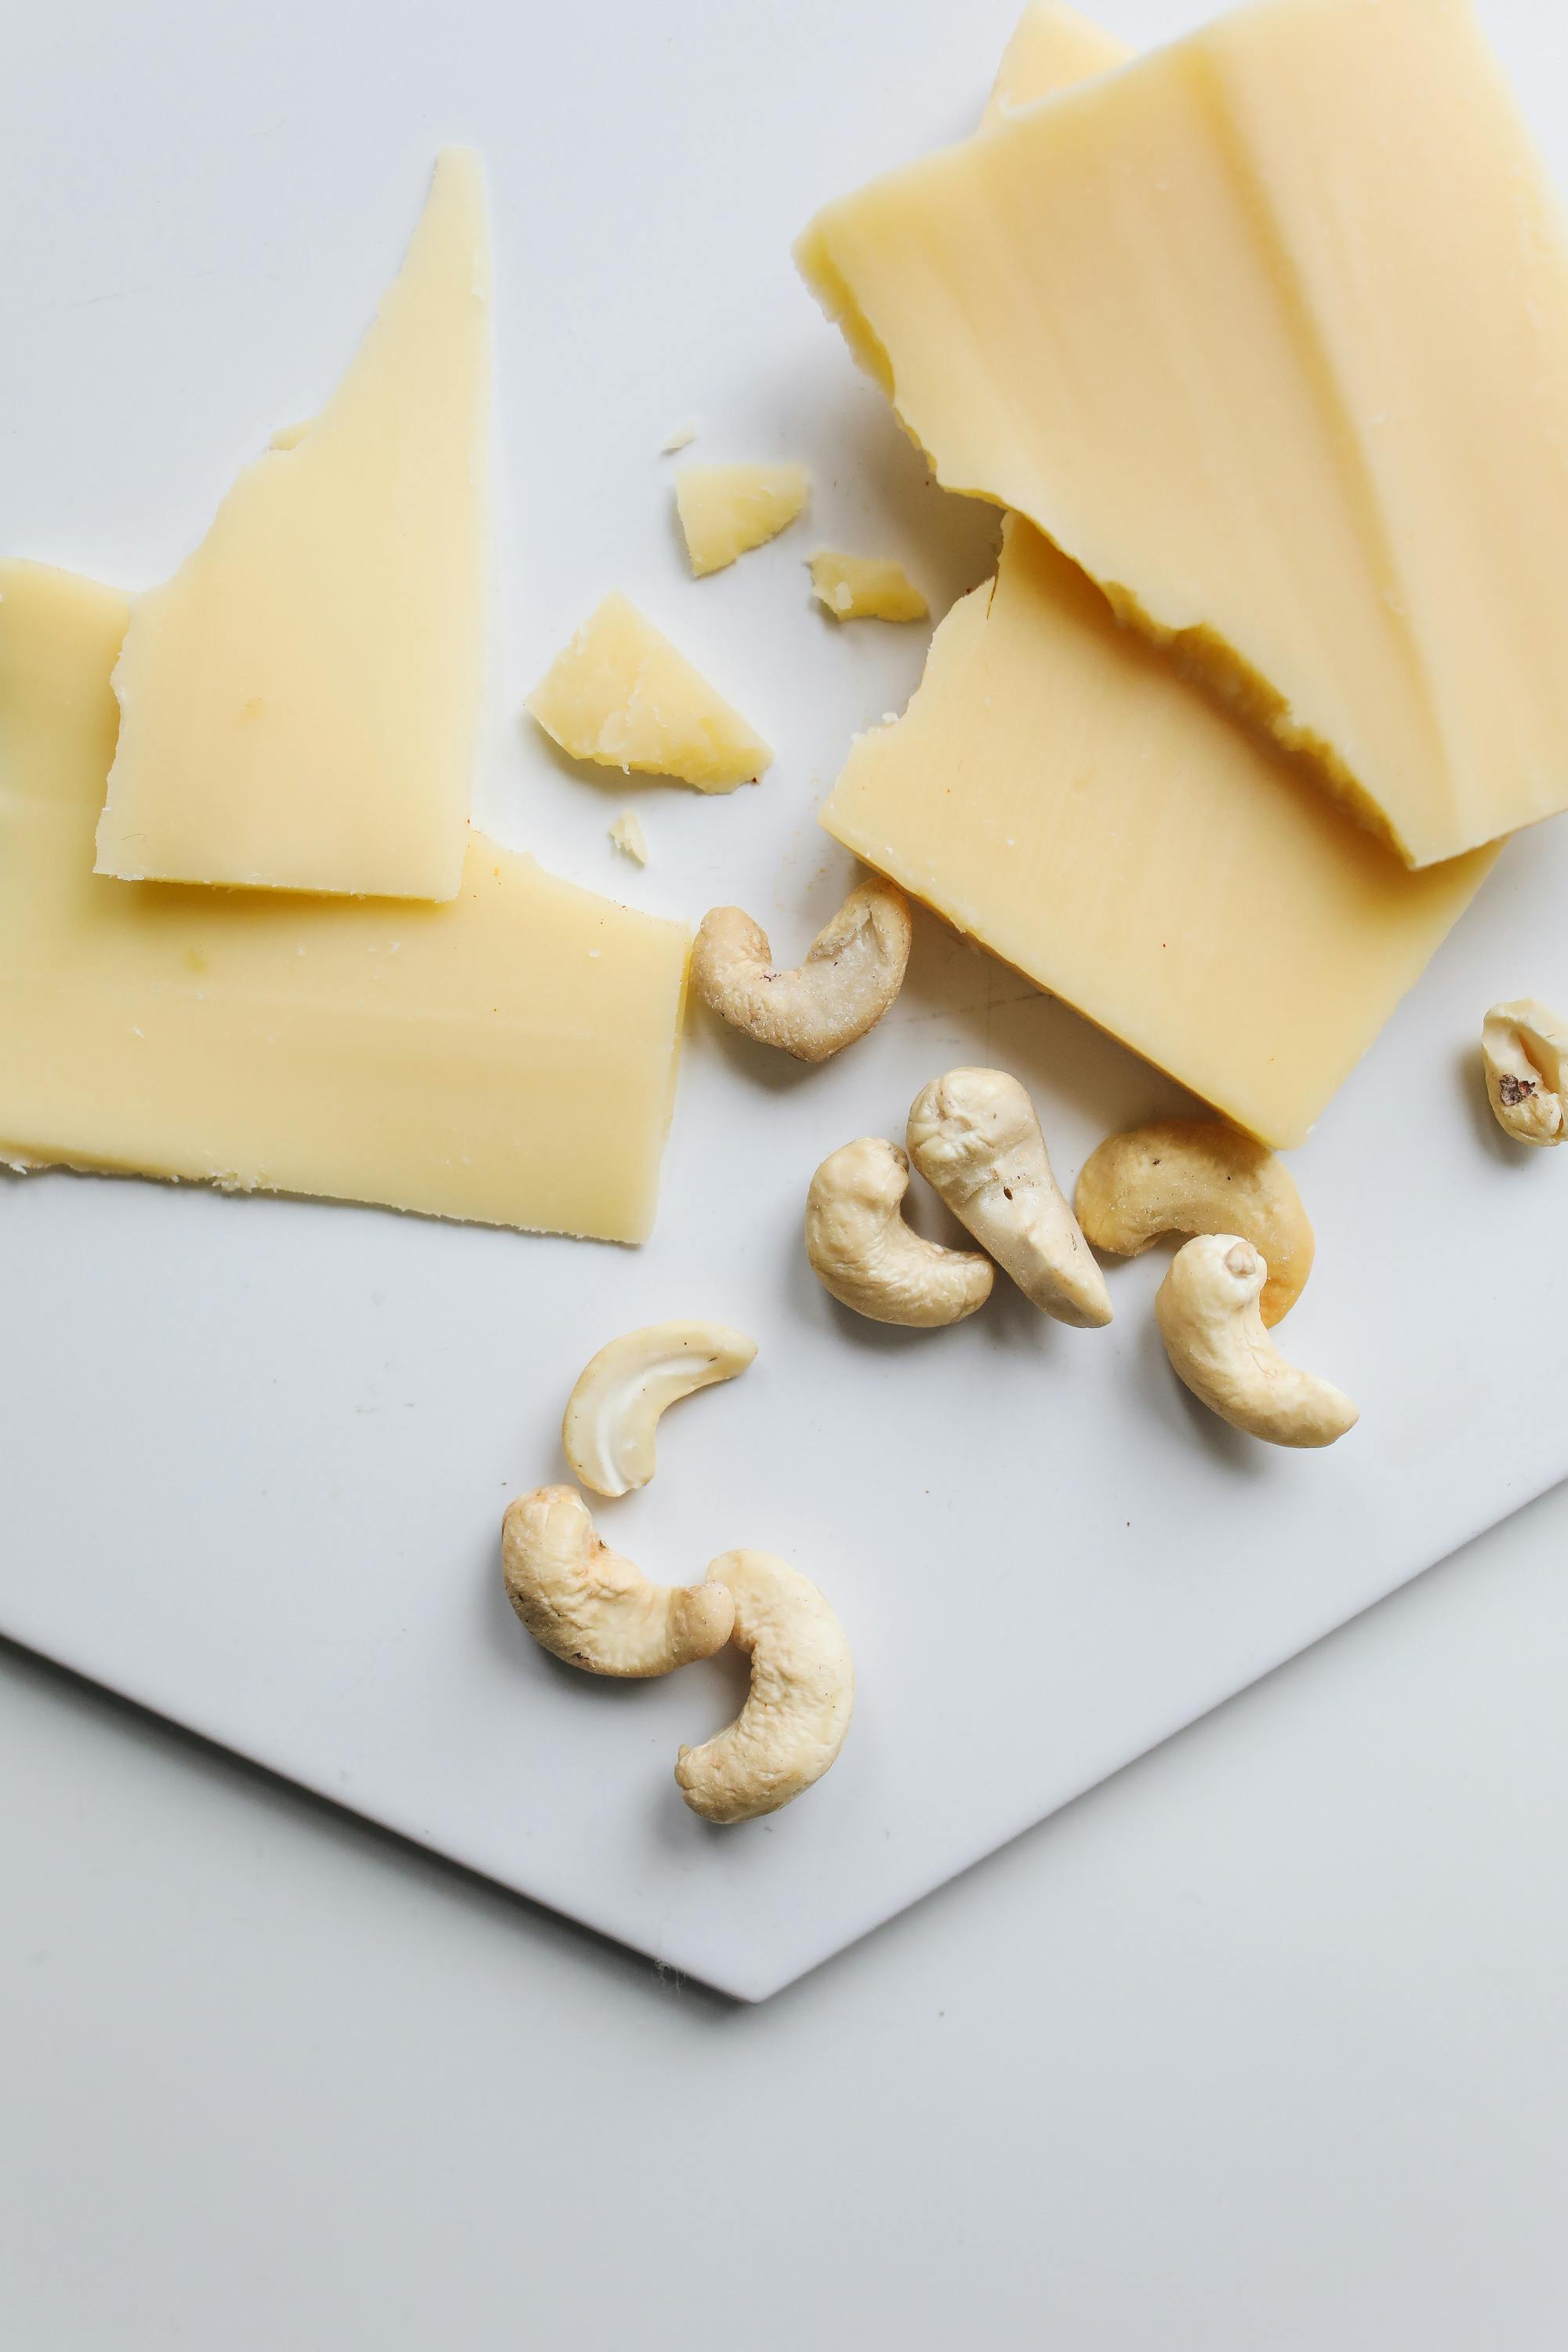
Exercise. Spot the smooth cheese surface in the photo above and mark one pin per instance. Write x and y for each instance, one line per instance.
(1052, 47)
(509, 1058)
(866, 588)
(620, 695)
(302, 701)
(1268, 331)
(726, 510)
(1058, 792)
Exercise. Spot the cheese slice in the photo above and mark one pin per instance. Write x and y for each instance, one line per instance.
(509, 1058)
(1269, 332)
(725, 510)
(302, 701)
(1052, 47)
(866, 588)
(1057, 791)
(620, 695)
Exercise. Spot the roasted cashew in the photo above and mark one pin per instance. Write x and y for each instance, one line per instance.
(1197, 1176)
(1214, 1335)
(974, 1137)
(853, 969)
(803, 1692)
(611, 1416)
(861, 1249)
(584, 1604)
(1524, 1049)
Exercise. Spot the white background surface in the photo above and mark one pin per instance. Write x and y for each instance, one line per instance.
(1260, 2048)
(304, 1419)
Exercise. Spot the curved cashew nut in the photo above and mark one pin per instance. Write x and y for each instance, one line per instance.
(853, 969)
(611, 1416)
(974, 1137)
(1214, 1335)
(797, 1712)
(1195, 1176)
(861, 1249)
(1524, 1049)
(583, 1602)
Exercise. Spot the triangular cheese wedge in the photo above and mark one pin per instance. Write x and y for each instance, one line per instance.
(727, 510)
(621, 695)
(299, 703)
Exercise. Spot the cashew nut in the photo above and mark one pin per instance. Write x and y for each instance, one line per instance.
(853, 969)
(1524, 1046)
(613, 1411)
(861, 1249)
(1196, 1176)
(798, 1711)
(584, 1604)
(974, 1135)
(1214, 1335)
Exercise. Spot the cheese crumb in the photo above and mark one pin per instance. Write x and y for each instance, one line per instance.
(627, 835)
(865, 588)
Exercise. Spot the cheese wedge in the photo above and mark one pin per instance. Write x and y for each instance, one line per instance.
(866, 588)
(725, 510)
(1052, 47)
(620, 695)
(1057, 791)
(1268, 331)
(302, 701)
(509, 1058)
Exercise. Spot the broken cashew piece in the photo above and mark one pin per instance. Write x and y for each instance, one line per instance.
(1196, 1176)
(613, 1411)
(1214, 1334)
(1524, 1048)
(585, 1603)
(798, 1711)
(853, 971)
(861, 1249)
(974, 1136)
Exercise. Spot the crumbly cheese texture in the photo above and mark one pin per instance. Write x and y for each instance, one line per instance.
(508, 1059)
(1268, 331)
(300, 702)
(621, 695)
(866, 588)
(727, 510)
(1059, 792)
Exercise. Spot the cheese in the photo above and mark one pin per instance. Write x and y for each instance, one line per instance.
(621, 695)
(726, 509)
(1057, 791)
(509, 1058)
(1269, 332)
(301, 701)
(866, 588)
(1052, 47)
(629, 836)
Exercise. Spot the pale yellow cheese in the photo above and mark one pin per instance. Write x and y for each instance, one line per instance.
(727, 510)
(1052, 47)
(621, 695)
(1058, 793)
(629, 836)
(866, 588)
(302, 701)
(1269, 332)
(509, 1058)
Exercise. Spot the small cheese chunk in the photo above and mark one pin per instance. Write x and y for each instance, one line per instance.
(508, 1059)
(681, 438)
(629, 836)
(301, 701)
(621, 695)
(1268, 331)
(866, 588)
(726, 509)
(1059, 792)
(1052, 47)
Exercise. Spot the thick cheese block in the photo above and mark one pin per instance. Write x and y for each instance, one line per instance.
(619, 694)
(1268, 331)
(509, 1058)
(866, 588)
(302, 701)
(1057, 791)
(725, 510)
